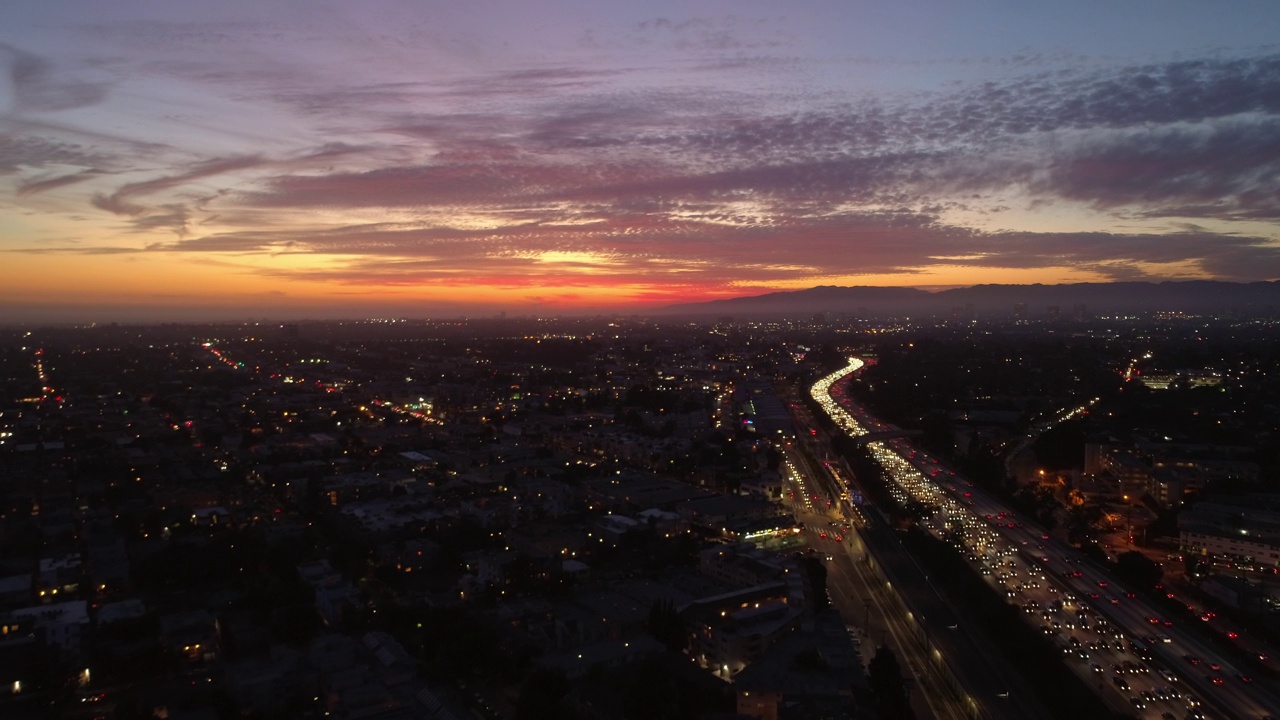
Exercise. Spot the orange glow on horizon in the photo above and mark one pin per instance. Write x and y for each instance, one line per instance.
(231, 284)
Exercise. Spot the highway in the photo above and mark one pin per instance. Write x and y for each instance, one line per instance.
(873, 578)
(855, 590)
(1152, 669)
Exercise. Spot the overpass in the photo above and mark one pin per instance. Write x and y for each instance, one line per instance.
(864, 440)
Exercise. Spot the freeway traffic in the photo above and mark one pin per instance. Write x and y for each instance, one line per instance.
(1139, 662)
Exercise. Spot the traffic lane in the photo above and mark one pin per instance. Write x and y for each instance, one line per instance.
(1134, 615)
(854, 592)
(854, 411)
(979, 666)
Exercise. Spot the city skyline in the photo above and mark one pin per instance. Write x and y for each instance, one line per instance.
(181, 161)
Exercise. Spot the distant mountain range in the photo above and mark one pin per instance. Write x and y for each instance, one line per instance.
(1033, 301)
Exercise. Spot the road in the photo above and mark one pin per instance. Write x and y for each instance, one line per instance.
(877, 586)
(1058, 588)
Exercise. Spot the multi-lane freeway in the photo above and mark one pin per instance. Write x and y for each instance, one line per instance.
(1137, 660)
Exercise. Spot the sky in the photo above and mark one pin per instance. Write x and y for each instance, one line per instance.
(180, 160)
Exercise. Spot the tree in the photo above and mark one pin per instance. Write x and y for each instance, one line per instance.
(1165, 524)
(816, 573)
(888, 686)
(542, 696)
(1061, 447)
(1137, 569)
(455, 642)
(939, 432)
(1081, 519)
(773, 458)
(1091, 549)
(1191, 564)
(1037, 501)
(665, 625)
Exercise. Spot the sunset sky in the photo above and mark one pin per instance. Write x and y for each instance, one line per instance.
(169, 159)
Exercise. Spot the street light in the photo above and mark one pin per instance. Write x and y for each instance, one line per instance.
(1128, 520)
